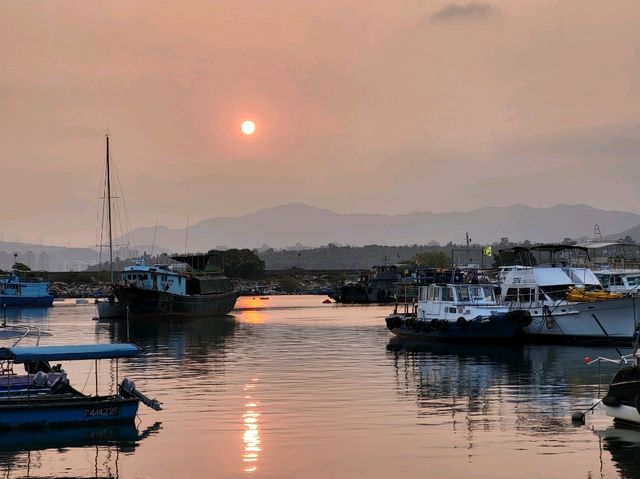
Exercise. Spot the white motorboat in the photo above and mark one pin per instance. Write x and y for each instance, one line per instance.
(625, 282)
(458, 312)
(567, 301)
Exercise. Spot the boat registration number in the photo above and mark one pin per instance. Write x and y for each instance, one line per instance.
(101, 411)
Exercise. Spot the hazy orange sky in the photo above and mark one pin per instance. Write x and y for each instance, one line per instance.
(360, 106)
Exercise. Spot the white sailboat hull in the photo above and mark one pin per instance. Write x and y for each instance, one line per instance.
(107, 310)
(618, 317)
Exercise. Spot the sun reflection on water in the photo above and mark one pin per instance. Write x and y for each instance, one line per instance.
(251, 432)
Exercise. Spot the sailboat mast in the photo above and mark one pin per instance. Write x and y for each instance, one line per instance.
(109, 212)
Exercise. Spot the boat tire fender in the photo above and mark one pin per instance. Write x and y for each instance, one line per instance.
(443, 326)
(462, 323)
(434, 324)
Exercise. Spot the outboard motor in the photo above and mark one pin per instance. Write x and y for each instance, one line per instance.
(128, 389)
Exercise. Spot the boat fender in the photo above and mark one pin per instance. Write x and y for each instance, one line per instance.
(612, 401)
(548, 318)
(434, 324)
(462, 323)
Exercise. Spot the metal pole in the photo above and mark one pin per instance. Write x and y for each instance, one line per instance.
(109, 212)
(96, 377)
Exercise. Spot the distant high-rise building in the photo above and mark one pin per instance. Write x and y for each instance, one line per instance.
(6, 260)
(43, 261)
(30, 260)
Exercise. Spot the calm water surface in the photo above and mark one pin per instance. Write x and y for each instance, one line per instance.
(291, 387)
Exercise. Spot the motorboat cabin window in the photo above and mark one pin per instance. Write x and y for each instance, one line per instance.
(512, 295)
(448, 294)
(556, 292)
(434, 294)
(633, 281)
(463, 294)
(604, 279)
(616, 280)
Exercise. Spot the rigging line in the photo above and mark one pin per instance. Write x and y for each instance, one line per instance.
(116, 204)
(129, 233)
(155, 230)
(88, 375)
(186, 236)
(102, 224)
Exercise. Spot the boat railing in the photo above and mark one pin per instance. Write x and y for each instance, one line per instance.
(627, 359)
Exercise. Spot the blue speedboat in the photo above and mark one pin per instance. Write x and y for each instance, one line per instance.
(45, 403)
(24, 291)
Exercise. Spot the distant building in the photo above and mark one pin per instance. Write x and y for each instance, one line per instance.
(6, 260)
(30, 260)
(43, 261)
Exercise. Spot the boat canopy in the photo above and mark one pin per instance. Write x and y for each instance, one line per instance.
(21, 354)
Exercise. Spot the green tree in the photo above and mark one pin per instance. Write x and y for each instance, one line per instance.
(242, 263)
(20, 267)
(431, 259)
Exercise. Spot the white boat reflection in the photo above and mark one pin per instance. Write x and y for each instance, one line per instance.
(538, 385)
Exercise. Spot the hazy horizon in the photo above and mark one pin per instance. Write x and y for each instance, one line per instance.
(360, 107)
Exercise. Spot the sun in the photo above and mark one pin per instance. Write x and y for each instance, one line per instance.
(248, 127)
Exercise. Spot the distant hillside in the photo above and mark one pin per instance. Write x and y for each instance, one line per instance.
(286, 225)
(60, 258)
(634, 233)
(363, 258)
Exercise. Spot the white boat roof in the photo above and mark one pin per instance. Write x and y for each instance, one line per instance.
(540, 275)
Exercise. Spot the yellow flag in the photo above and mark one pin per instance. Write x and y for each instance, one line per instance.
(486, 251)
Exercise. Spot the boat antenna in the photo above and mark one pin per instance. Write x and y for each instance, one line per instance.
(186, 236)
(109, 211)
(155, 230)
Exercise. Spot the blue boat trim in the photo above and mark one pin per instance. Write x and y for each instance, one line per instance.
(76, 352)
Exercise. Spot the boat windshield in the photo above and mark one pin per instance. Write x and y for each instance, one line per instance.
(475, 293)
(634, 281)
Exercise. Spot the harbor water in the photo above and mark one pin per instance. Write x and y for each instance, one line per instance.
(290, 387)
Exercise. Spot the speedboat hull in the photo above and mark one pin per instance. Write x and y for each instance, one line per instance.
(50, 410)
(622, 401)
(14, 300)
(497, 327)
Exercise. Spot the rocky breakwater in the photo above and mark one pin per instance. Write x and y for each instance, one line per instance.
(79, 290)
